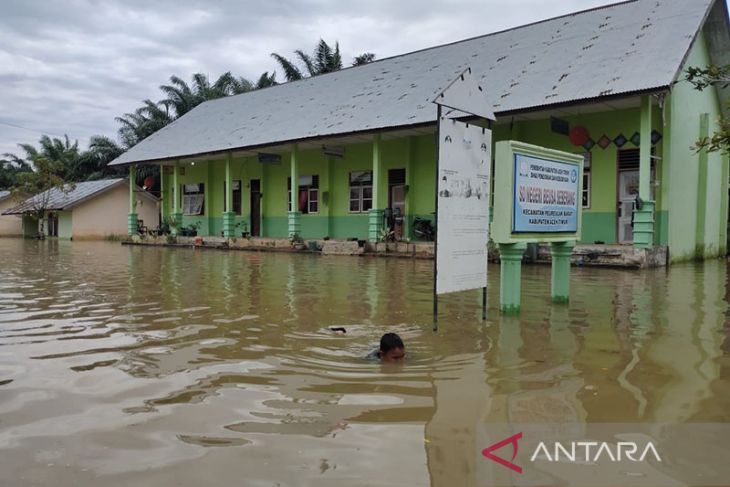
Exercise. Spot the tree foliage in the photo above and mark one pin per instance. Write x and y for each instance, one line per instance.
(324, 59)
(701, 79)
(46, 175)
(61, 161)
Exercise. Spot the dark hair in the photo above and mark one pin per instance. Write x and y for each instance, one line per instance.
(390, 341)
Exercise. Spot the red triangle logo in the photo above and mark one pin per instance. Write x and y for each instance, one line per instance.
(487, 452)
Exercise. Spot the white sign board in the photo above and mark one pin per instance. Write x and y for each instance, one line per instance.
(465, 155)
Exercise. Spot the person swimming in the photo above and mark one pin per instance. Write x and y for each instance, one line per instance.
(392, 349)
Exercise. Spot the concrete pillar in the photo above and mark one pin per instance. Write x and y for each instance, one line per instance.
(132, 220)
(409, 178)
(162, 194)
(510, 276)
(560, 275)
(375, 215)
(701, 217)
(644, 216)
(176, 211)
(722, 224)
(295, 225)
(229, 217)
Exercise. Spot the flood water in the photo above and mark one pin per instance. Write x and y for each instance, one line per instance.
(149, 366)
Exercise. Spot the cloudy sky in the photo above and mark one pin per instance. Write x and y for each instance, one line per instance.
(70, 67)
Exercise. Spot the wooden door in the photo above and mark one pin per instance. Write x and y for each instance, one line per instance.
(255, 207)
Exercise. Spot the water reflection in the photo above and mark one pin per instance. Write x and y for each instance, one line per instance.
(148, 366)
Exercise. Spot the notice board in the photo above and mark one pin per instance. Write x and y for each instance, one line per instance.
(465, 157)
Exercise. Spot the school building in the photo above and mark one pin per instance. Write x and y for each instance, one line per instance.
(346, 154)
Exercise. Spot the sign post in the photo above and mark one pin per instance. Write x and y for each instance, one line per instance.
(537, 200)
(462, 190)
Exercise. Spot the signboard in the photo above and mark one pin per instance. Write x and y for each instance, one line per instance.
(463, 206)
(545, 195)
(265, 158)
(537, 195)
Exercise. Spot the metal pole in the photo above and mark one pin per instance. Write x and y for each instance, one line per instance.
(484, 304)
(436, 222)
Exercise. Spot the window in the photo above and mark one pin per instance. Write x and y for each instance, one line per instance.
(236, 197)
(193, 199)
(308, 198)
(361, 191)
(586, 197)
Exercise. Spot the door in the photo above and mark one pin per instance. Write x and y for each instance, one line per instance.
(52, 229)
(628, 189)
(397, 201)
(255, 207)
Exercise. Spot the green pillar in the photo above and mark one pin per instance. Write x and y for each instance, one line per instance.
(560, 279)
(375, 215)
(723, 204)
(409, 178)
(644, 217)
(176, 212)
(510, 276)
(132, 217)
(295, 224)
(326, 198)
(229, 217)
(701, 218)
(162, 193)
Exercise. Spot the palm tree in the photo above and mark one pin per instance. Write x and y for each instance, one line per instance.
(364, 58)
(324, 59)
(10, 167)
(64, 155)
(265, 80)
(182, 97)
(94, 161)
(143, 122)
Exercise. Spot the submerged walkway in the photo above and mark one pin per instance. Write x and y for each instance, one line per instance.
(593, 255)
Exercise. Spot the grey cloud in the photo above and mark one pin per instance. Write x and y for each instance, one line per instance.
(72, 66)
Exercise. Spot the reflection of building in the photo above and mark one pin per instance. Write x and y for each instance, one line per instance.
(91, 210)
(326, 156)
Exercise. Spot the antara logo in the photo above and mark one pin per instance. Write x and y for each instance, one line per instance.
(487, 452)
(585, 452)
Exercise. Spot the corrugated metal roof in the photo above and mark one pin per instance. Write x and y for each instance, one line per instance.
(57, 200)
(622, 48)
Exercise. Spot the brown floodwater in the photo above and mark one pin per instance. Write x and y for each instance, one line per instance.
(152, 366)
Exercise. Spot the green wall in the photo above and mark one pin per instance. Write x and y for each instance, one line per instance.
(600, 220)
(676, 177)
(65, 229)
(686, 191)
(334, 218)
(30, 226)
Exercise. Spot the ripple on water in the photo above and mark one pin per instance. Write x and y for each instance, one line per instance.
(142, 364)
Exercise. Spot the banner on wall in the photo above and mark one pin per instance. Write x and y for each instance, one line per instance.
(465, 155)
(545, 195)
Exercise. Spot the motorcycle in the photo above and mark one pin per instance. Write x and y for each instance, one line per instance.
(424, 229)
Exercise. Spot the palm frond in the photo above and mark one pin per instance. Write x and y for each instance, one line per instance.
(291, 72)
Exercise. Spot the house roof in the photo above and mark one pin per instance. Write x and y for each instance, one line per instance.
(626, 48)
(57, 200)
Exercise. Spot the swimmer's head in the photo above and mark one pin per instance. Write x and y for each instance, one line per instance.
(391, 348)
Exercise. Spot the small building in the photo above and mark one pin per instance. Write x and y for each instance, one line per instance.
(88, 210)
(10, 225)
(347, 153)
